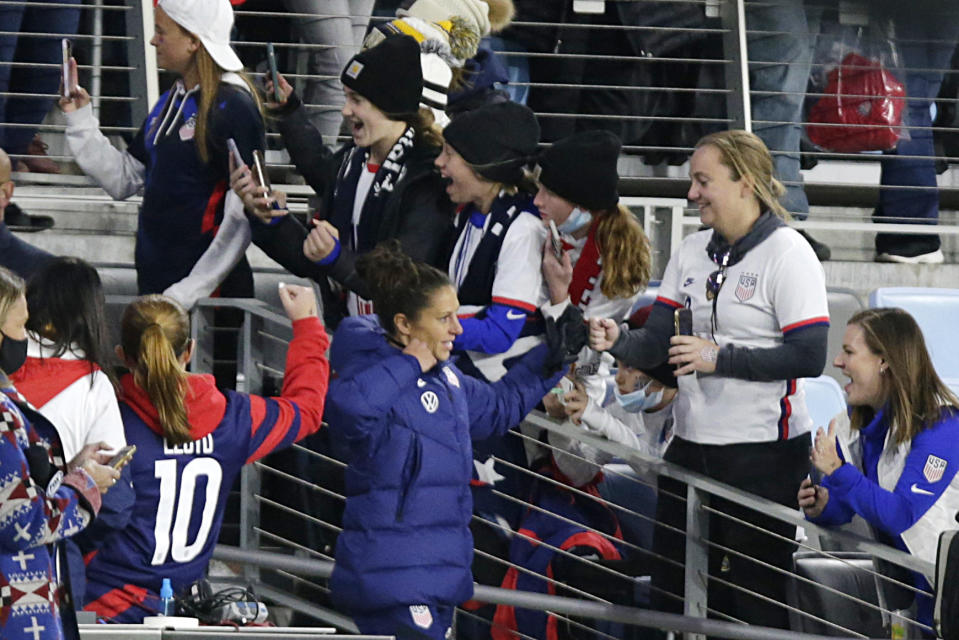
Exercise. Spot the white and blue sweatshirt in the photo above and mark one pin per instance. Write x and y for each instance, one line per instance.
(908, 493)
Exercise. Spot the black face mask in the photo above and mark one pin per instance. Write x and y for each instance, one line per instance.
(13, 353)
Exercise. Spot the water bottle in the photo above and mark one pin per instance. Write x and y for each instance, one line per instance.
(166, 598)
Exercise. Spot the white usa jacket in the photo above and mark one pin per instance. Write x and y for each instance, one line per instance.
(909, 492)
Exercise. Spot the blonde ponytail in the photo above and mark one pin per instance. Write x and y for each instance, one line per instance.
(155, 333)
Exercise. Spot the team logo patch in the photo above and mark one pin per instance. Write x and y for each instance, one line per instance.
(421, 383)
(451, 377)
(430, 401)
(354, 69)
(934, 468)
(188, 130)
(421, 615)
(746, 287)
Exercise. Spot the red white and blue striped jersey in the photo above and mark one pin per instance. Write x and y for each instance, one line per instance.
(181, 489)
(778, 287)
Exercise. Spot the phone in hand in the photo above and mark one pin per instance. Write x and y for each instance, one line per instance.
(683, 321)
(235, 152)
(556, 241)
(66, 51)
(259, 172)
(274, 74)
(123, 456)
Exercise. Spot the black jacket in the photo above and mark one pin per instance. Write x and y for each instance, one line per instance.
(418, 213)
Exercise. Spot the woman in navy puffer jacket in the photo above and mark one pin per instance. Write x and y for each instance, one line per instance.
(403, 416)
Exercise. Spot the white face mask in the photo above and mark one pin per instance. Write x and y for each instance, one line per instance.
(577, 220)
(639, 400)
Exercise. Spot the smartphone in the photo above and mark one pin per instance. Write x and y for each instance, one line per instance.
(815, 475)
(123, 456)
(556, 241)
(235, 152)
(683, 321)
(259, 171)
(274, 74)
(66, 51)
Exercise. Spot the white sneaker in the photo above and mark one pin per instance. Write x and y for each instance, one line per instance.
(933, 257)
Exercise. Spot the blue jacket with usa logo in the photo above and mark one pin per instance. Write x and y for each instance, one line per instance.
(406, 435)
(908, 493)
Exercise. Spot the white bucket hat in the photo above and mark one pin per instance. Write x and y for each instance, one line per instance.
(209, 20)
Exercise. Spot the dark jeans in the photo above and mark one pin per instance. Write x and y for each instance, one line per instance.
(926, 36)
(772, 470)
(30, 78)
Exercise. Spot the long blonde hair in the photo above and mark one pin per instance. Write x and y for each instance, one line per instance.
(154, 334)
(625, 252)
(916, 396)
(211, 74)
(746, 155)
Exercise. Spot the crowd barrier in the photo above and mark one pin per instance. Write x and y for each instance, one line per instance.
(836, 586)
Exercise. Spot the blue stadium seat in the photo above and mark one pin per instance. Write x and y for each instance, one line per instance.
(824, 399)
(935, 310)
(516, 64)
(843, 304)
(848, 573)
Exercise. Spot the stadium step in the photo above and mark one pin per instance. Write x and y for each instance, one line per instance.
(98, 229)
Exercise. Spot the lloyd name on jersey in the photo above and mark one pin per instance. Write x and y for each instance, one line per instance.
(203, 446)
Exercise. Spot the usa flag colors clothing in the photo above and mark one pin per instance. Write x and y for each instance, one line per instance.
(778, 287)
(181, 489)
(908, 493)
(34, 515)
(73, 394)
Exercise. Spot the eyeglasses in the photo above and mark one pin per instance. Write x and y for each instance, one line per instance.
(716, 279)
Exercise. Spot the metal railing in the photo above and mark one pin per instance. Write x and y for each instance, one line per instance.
(659, 72)
(261, 355)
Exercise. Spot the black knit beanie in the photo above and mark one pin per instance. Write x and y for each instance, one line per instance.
(497, 140)
(388, 75)
(582, 169)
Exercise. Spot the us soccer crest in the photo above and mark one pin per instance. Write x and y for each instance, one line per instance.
(746, 286)
(935, 467)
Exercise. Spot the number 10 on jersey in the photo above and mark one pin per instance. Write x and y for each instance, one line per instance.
(174, 515)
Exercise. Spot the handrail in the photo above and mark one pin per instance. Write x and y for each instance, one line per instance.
(527, 600)
(738, 496)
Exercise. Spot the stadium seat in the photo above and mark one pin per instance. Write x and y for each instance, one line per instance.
(843, 304)
(935, 310)
(824, 399)
(516, 65)
(847, 572)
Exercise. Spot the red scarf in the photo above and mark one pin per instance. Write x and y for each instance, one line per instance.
(587, 269)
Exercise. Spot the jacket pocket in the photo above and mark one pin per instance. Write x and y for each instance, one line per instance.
(411, 470)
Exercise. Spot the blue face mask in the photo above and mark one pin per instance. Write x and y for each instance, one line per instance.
(576, 221)
(636, 401)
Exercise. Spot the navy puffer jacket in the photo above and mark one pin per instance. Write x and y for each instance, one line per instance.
(406, 437)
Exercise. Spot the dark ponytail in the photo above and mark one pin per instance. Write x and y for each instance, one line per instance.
(397, 283)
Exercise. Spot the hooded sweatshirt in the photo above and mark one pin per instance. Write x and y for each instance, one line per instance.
(181, 489)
